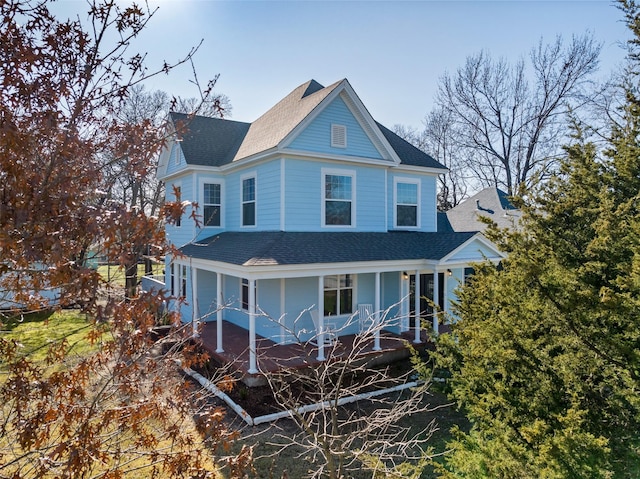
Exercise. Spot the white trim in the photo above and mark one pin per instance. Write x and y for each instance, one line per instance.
(200, 195)
(360, 113)
(252, 174)
(477, 237)
(282, 194)
(283, 313)
(313, 269)
(323, 198)
(332, 157)
(406, 180)
(386, 200)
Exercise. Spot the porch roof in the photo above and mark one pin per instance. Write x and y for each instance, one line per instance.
(277, 248)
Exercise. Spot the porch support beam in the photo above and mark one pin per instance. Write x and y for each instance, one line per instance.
(376, 337)
(194, 294)
(220, 301)
(436, 302)
(417, 307)
(253, 363)
(320, 331)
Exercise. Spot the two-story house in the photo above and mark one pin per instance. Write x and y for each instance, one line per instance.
(315, 220)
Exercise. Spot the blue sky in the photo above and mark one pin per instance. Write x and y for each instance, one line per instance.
(392, 53)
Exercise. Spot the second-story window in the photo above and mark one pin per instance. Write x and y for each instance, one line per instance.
(406, 204)
(212, 204)
(178, 193)
(338, 199)
(249, 201)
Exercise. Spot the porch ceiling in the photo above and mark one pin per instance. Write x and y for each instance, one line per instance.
(277, 248)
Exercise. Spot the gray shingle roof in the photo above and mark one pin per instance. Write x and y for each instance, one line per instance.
(491, 203)
(216, 142)
(272, 127)
(409, 154)
(292, 248)
(209, 141)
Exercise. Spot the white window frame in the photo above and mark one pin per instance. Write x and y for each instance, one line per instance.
(178, 223)
(396, 182)
(212, 181)
(243, 178)
(178, 279)
(337, 172)
(354, 289)
(244, 283)
(337, 131)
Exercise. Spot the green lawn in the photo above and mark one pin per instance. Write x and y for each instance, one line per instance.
(116, 276)
(35, 331)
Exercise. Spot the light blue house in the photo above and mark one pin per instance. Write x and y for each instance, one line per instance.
(315, 220)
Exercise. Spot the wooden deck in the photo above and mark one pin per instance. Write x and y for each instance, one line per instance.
(272, 357)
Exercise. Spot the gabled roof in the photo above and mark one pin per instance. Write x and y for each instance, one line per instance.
(208, 141)
(277, 248)
(409, 154)
(216, 142)
(272, 127)
(491, 203)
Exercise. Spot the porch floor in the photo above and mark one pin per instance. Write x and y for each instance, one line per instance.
(272, 357)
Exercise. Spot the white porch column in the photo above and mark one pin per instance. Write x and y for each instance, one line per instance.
(416, 307)
(253, 364)
(195, 313)
(376, 337)
(436, 301)
(219, 348)
(320, 331)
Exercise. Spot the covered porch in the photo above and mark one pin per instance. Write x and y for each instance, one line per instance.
(273, 357)
(308, 294)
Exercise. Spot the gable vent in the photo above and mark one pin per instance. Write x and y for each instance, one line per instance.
(338, 136)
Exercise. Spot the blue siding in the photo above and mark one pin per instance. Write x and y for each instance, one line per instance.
(268, 304)
(207, 302)
(180, 235)
(176, 159)
(316, 137)
(473, 252)
(198, 196)
(304, 190)
(267, 197)
(428, 199)
(300, 294)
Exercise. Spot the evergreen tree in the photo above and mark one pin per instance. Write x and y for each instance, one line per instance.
(546, 356)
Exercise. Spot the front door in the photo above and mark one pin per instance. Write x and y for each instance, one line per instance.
(426, 294)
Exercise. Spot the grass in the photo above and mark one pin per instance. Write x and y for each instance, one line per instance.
(34, 332)
(116, 274)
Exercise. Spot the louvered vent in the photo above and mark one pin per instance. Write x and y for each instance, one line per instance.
(339, 136)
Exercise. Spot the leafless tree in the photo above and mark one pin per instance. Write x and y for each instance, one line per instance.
(374, 435)
(438, 140)
(510, 126)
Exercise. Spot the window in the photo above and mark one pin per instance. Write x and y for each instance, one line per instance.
(338, 198)
(338, 295)
(183, 281)
(338, 136)
(212, 204)
(406, 204)
(249, 201)
(468, 275)
(178, 192)
(172, 279)
(178, 281)
(245, 293)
